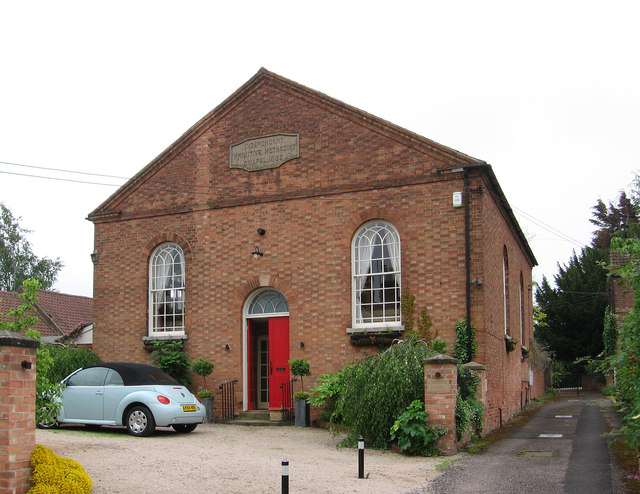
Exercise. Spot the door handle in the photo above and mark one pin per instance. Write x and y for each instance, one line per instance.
(271, 368)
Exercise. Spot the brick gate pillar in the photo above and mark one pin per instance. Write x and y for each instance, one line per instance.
(481, 391)
(440, 397)
(17, 410)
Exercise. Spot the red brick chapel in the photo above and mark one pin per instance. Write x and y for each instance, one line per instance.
(286, 224)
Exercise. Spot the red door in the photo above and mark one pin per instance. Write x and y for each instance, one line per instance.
(278, 358)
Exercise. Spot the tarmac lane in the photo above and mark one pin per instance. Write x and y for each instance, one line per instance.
(561, 449)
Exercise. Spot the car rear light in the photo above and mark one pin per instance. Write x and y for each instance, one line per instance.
(164, 400)
(198, 398)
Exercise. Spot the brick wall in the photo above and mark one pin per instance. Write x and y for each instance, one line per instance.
(352, 168)
(17, 411)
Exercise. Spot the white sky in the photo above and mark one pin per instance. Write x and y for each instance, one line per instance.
(547, 92)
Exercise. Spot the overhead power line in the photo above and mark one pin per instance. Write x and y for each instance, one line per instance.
(549, 228)
(189, 189)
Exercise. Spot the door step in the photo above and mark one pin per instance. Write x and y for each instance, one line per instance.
(259, 418)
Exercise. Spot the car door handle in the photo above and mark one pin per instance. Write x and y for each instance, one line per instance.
(99, 393)
(271, 368)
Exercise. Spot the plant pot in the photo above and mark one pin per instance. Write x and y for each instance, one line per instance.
(302, 413)
(208, 406)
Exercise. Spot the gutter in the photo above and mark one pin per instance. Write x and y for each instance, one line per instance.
(467, 256)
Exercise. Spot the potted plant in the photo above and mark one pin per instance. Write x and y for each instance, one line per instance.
(300, 367)
(510, 342)
(203, 368)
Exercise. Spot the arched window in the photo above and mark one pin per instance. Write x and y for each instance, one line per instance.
(505, 289)
(268, 302)
(522, 310)
(376, 276)
(166, 290)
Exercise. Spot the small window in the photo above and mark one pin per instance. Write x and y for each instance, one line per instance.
(166, 290)
(376, 276)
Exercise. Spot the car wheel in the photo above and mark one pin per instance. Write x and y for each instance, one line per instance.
(184, 428)
(47, 424)
(140, 421)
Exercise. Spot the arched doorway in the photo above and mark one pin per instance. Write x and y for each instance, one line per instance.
(265, 349)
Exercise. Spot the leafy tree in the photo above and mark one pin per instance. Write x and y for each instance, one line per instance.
(575, 308)
(17, 261)
(22, 319)
(612, 219)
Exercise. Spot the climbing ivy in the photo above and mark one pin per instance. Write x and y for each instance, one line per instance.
(170, 357)
(626, 361)
(462, 346)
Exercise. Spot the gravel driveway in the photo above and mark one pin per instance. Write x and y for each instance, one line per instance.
(221, 458)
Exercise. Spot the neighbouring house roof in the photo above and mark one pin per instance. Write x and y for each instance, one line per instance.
(60, 315)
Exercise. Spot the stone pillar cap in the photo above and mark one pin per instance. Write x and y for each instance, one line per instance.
(475, 366)
(441, 359)
(9, 338)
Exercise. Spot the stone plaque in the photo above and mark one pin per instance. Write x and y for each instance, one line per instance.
(262, 153)
(438, 386)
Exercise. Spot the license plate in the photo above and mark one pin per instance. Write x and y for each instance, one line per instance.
(189, 408)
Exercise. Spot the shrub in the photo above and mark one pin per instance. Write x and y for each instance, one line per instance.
(439, 346)
(469, 413)
(55, 474)
(203, 368)
(413, 434)
(67, 359)
(376, 390)
(326, 393)
(300, 367)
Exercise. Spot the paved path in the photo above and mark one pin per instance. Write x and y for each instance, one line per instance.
(561, 449)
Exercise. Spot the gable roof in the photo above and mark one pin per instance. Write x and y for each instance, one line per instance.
(450, 158)
(264, 77)
(59, 314)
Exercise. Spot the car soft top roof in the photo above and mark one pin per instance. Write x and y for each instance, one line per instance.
(139, 374)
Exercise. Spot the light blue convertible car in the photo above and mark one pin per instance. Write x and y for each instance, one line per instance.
(137, 396)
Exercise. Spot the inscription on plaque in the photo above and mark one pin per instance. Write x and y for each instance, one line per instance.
(262, 153)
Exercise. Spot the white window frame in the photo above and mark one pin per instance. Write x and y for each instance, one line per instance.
(370, 234)
(505, 290)
(173, 285)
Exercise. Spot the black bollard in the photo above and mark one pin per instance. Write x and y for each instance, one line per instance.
(361, 457)
(285, 476)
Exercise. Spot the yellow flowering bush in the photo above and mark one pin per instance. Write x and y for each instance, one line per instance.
(53, 474)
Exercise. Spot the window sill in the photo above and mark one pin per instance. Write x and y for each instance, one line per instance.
(148, 340)
(374, 330)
